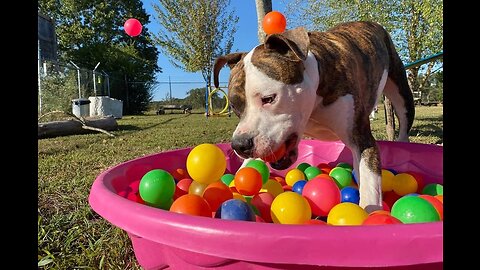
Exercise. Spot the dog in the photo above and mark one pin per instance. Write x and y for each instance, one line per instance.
(319, 84)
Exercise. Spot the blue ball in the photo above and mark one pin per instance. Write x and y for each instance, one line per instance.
(350, 194)
(412, 194)
(298, 186)
(235, 209)
(393, 171)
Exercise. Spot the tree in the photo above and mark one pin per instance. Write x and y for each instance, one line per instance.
(196, 98)
(263, 7)
(91, 31)
(416, 26)
(194, 32)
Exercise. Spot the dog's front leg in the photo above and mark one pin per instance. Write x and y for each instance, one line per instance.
(367, 165)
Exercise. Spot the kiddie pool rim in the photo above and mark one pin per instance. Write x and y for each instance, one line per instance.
(348, 246)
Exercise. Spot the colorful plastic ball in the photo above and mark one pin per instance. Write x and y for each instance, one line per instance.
(132, 27)
(238, 196)
(419, 178)
(393, 171)
(315, 222)
(165, 205)
(433, 189)
(287, 188)
(390, 198)
(216, 193)
(346, 214)
(261, 167)
(345, 165)
(293, 176)
(191, 204)
(325, 176)
(435, 203)
(197, 188)
(276, 155)
(439, 197)
(182, 187)
(302, 166)
(376, 212)
(280, 180)
(322, 194)
(354, 177)
(324, 167)
(157, 187)
(273, 187)
(311, 172)
(234, 209)
(259, 219)
(206, 163)
(387, 180)
(248, 181)
(404, 183)
(290, 208)
(413, 209)
(227, 178)
(179, 174)
(274, 22)
(381, 219)
(385, 206)
(134, 185)
(263, 202)
(298, 186)
(350, 194)
(342, 176)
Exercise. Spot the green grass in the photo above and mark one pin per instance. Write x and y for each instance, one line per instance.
(72, 236)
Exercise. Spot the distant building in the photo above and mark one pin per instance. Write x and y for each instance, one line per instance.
(47, 40)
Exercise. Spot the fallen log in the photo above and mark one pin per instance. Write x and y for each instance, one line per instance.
(71, 127)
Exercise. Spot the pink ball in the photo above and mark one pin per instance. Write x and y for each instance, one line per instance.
(263, 202)
(322, 195)
(133, 27)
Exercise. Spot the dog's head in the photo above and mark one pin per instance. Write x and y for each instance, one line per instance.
(272, 89)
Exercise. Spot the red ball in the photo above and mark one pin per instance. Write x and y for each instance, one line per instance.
(133, 27)
(182, 188)
(216, 193)
(381, 219)
(263, 202)
(322, 195)
(274, 22)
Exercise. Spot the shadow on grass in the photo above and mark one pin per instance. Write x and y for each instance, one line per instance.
(428, 130)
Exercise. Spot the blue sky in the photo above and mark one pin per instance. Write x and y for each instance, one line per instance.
(244, 40)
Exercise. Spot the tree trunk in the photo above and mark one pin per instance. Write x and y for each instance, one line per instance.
(389, 119)
(263, 7)
(71, 127)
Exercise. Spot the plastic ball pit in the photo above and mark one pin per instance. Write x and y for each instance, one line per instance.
(166, 240)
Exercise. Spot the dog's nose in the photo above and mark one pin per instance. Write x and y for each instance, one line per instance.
(243, 145)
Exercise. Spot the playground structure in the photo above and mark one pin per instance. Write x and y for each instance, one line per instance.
(209, 111)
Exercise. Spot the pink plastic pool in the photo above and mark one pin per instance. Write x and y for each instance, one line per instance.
(166, 240)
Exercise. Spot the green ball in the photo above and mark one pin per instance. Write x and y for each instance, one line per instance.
(433, 189)
(342, 177)
(311, 172)
(413, 209)
(157, 188)
(302, 166)
(345, 165)
(227, 178)
(261, 167)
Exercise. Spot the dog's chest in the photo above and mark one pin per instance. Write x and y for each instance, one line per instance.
(332, 122)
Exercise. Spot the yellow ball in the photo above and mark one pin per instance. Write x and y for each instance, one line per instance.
(387, 180)
(197, 188)
(404, 184)
(273, 187)
(293, 176)
(290, 208)
(206, 163)
(346, 214)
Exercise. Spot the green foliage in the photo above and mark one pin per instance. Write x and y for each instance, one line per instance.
(58, 90)
(416, 26)
(91, 31)
(193, 33)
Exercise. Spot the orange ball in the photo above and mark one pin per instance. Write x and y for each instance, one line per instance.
(381, 219)
(216, 193)
(191, 204)
(248, 181)
(277, 154)
(274, 22)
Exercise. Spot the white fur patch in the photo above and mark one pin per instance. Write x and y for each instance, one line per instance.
(370, 187)
(289, 113)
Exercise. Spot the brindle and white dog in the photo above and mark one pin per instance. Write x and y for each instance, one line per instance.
(323, 85)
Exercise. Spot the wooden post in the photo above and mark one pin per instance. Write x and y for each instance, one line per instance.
(263, 7)
(389, 119)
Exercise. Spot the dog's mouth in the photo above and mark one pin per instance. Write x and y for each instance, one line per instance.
(286, 155)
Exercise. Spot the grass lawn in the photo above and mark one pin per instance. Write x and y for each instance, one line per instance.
(72, 236)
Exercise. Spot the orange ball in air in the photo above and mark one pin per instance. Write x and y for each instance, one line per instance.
(274, 22)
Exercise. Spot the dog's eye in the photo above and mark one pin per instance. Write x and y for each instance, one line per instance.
(268, 99)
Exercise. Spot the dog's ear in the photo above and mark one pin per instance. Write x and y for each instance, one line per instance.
(230, 59)
(295, 40)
